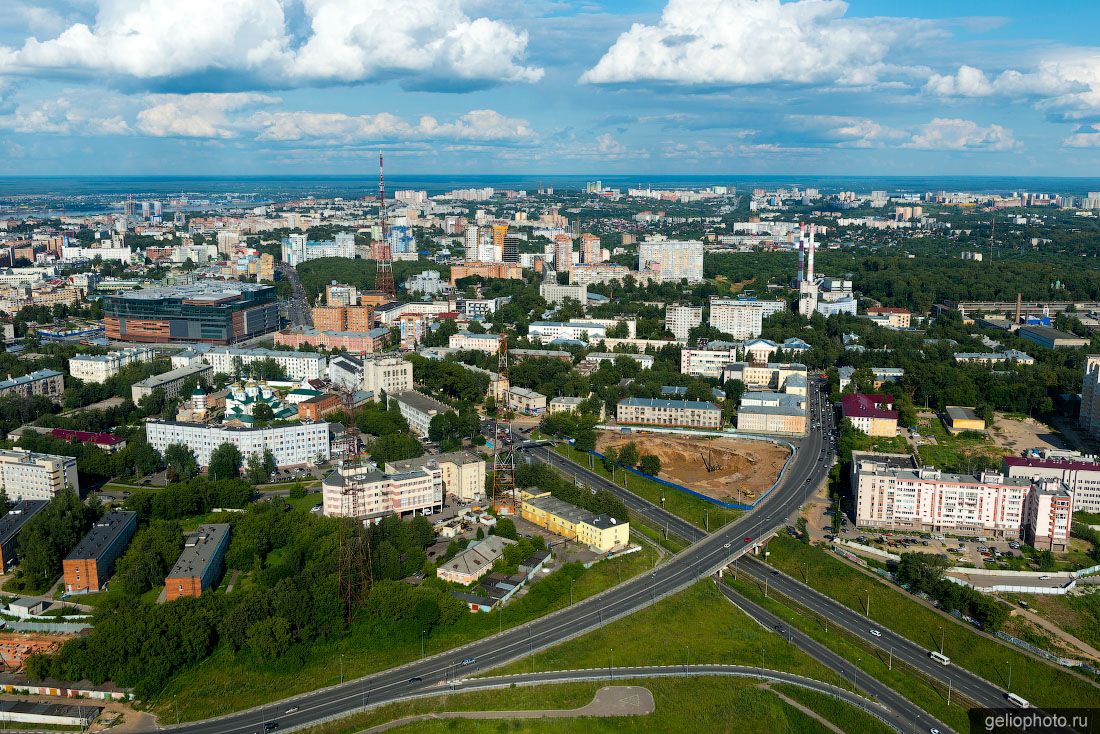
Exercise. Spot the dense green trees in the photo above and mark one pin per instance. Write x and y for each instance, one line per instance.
(184, 499)
(49, 536)
(150, 556)
(450, 428)
(225, 461)
(923, 572)
(394, 447)
(181, 462)
(260, 467)
(546, 479)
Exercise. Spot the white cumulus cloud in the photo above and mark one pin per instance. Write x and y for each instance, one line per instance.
(744, 42)
(956, 134)
(222, 45)
(1086, 137)
(476, 125)
(199, 115)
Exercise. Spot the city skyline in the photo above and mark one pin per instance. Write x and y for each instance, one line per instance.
(735, 87)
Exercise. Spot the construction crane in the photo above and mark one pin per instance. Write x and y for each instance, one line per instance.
(384, 274)
(505, 498)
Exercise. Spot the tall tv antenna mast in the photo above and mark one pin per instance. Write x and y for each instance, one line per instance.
(505, 497)
(384, 274)
(355, 574)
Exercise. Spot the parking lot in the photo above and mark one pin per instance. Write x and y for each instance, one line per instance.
(976, 551)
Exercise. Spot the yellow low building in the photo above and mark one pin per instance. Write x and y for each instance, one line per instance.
(962, 419)
(600, 532)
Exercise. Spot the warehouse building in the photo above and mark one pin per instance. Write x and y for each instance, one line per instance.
(92, 561)
(200, 564)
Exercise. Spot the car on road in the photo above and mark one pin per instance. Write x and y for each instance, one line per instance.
(416, 679)
(292, 709)
(727, 545)
(775, 573)
(876, 633)
(271, 726)
(469, 661)
(748, 538)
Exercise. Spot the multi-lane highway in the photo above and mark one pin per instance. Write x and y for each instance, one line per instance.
(809, 466)
(962, 681)
(297, 308)
(906, 716)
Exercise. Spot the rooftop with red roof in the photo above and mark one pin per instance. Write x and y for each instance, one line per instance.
(100, 439)
(1051, 463)
(860, 405)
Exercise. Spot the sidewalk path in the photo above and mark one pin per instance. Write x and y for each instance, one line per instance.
(609, 701)
(1058, 632)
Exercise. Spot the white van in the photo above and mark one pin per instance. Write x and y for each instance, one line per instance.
(1017, 701)
(940, 658)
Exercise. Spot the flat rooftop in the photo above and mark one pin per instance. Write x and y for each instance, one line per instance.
(103, 534)
(198, 550)
(419, 401)
(12, 523)
(180, 373)
(213, 291)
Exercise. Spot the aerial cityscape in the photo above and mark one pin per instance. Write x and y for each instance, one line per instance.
(448, 366)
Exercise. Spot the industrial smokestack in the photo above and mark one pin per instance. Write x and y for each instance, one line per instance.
(801, 251)
(1019, 307)
(810, 258)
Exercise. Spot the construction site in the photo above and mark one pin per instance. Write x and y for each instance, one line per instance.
(727, 469)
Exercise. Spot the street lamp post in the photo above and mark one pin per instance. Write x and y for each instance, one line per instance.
(571, 580)
(422, 642)
(611, 669)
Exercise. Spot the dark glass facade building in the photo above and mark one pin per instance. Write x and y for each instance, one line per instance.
(210, 313)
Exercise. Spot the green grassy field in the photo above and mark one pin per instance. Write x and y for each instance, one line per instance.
(845, 716)
(204, 690)
(681, 705)
(964, 453)
(697, 625)
(1041, 684)
(696, 511)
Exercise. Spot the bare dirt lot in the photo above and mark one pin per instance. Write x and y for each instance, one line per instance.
(738, 469)
(1028, 433)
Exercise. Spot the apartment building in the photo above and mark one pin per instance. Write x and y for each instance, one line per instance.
(25, 475)
(1089, 419)
(672, 260)
(681, 319)
(48, 383)
(584, 331)
(880, 374)
(772, 412)
(739, 319)
(297, 365)
(1081, 474)
(418, 409)
(201, 563)
(462, 472)
(1048, 514)
(671, 413)
(894, 318)
(601, 533)
(892, 493)
(468, 341)
(170, 382)
(771, 376)
(297, 444)
(387, 374)
(554, 293)
(343, 318)
(645, 361)
(607, 273)
(527, 402)
(708, 362)
(872, 414)
(360, 342)
(89, 565)
(11, 525)
(99, 368)
(364, 491)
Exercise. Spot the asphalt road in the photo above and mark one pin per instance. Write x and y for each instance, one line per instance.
(977, 689)
(905, 716)
(712, 552)
(297, 308)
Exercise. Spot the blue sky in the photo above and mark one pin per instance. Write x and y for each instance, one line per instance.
(554, 86)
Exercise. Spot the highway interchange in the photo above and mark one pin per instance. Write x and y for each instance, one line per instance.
(446, 671)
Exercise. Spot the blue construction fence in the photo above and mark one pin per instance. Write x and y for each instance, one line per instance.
(713, 501)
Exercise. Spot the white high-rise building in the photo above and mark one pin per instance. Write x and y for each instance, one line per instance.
(25, 475)
(388, 374)
(471, 242)
(739, 319)
(672, 260)
(680, 319)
